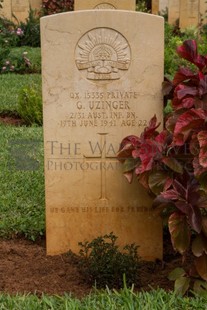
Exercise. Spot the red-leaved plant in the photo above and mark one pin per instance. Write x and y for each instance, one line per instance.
(57, 6)
(172, 164)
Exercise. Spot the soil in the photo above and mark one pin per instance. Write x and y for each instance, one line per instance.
(9, 118)
(25, 267)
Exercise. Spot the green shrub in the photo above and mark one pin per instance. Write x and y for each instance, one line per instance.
(18, 63)
(30, 30)
(102, 262)
(141, 6)
(8, 32)
(21, 33)
(30, 105)
(174, 38)
(25, 59)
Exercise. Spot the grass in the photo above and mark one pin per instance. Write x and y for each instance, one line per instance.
(33, 53)
(126, 299)
(10, 84)
(21, 182)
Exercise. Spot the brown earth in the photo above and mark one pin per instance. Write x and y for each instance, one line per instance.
(8, 118)
(25, 268)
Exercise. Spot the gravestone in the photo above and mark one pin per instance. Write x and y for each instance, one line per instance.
(173, 11)
(155, 6)
(189, 13)
(105, 5)
(102, 80)
(5, 11)
(20, 9)
(163, 6)
(159, 6)
(35, 4)
(203, 12)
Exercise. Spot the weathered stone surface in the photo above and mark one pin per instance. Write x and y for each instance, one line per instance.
(163, 5)
(18, 8)
(102, 81)
(159, 6)
(5, 11)
(155, 6)
(189, 13)
(173, 11)
(203, 12)
(35, 4)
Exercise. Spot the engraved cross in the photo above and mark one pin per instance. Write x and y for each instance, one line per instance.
(102, 158)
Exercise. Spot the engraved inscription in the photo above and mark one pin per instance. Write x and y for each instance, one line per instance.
(105, 6)
(103, 109)
(103, 54)
(113, 209)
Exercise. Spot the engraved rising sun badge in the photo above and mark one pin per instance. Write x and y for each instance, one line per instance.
(103, 54)
(105, 6)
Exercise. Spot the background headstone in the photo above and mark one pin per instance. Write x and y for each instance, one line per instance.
(159, 6)
(102, 80)
(163, 5)
(189, 13)
(20, 9)
(173, 11)
(6, 11)
(104, 5)
(35, 4)
(203, 12)
(155, 6)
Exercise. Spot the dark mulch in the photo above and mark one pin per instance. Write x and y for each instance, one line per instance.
(11, 118)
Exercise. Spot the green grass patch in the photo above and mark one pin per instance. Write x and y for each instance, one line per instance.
(126, 299)
(21, 182)
(10, 84)
(33, 54)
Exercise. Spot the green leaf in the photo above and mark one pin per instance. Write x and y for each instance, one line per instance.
(200, 287)
(157, 180)
(201, 266)
(180, 232)
(173, 164)
(199, 245)
(130, 164)
(182, 285)
(176, 273)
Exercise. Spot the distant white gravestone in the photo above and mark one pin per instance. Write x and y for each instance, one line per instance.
(102, 80)
(173, 11)
(189, 13)
(159, 6)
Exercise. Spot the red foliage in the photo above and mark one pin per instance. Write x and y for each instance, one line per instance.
(57, 6)
(172, 164)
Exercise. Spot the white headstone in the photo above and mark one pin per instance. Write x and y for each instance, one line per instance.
(189, 13)
(173, 11)
(102, 78)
